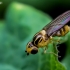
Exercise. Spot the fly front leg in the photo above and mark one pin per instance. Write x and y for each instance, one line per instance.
(45, 48)
(51, 40)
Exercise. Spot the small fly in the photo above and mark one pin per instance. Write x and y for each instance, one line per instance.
(58, 27)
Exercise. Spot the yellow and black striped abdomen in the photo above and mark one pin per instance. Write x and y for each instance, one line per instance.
(63, 31)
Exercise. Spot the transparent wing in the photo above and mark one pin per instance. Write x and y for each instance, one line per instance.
(57, 23)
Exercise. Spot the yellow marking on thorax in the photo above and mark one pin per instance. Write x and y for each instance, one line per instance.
(43, 32)
(45, 40)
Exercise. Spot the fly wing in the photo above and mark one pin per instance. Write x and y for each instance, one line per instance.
(57, 23)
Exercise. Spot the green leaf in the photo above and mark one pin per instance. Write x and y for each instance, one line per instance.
(50, 61)
(22, 22)
(22, 17)
(7, 67)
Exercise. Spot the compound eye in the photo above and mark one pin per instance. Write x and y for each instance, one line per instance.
(36, 40)
(34, 51)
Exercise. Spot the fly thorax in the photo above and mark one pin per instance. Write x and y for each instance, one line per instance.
(40, 39)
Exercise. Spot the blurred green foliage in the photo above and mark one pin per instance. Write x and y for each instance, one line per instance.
(20, 25)
(6, 67)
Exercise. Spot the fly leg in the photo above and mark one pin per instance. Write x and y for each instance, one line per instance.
(44, 50)
(54, 42)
